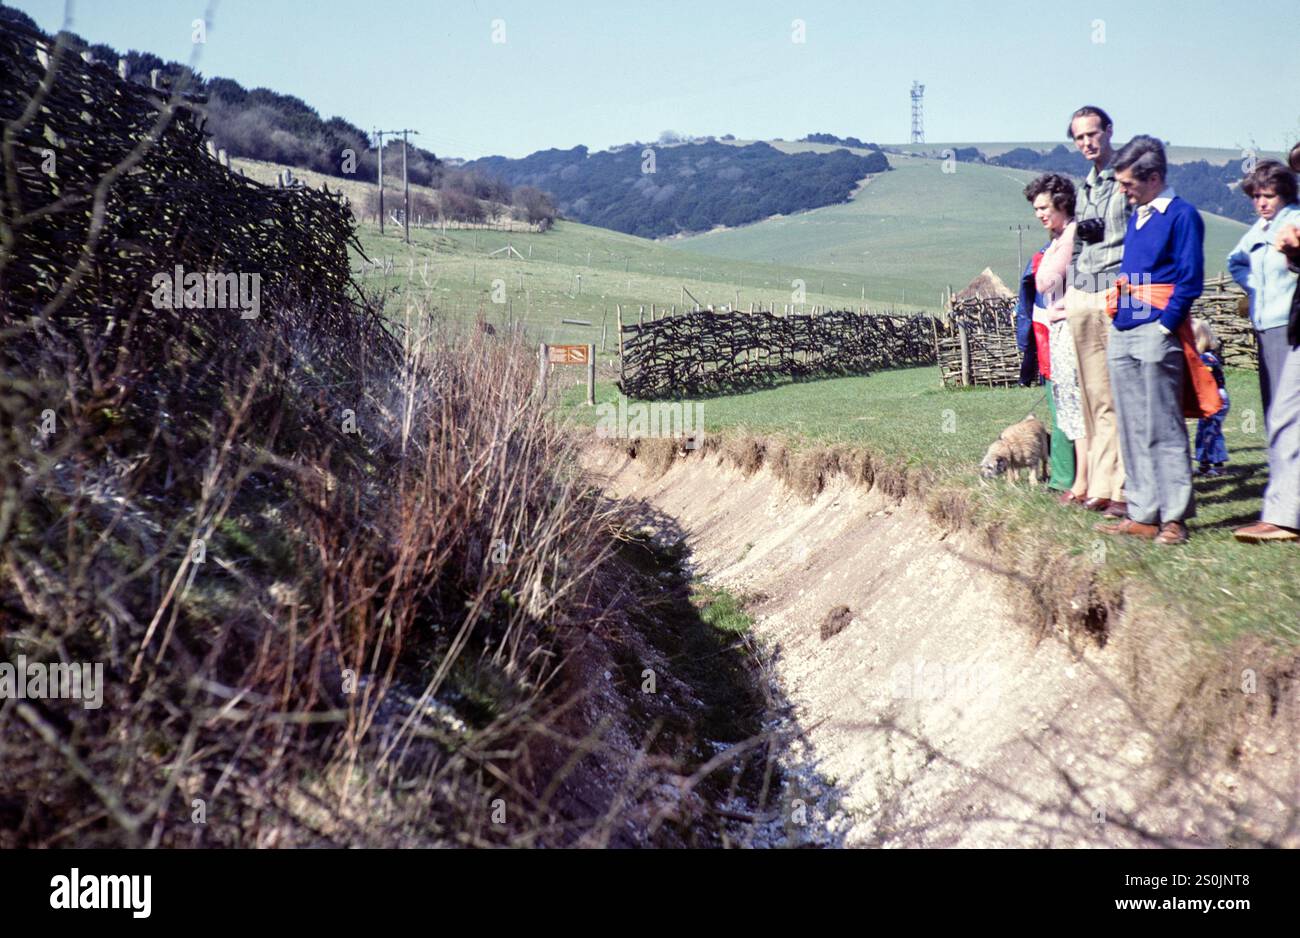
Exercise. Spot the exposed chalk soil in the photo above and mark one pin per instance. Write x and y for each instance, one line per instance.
(939, 714)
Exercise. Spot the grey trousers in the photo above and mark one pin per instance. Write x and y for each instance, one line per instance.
(1146, 376)
(1273, 349)
(1282, 497)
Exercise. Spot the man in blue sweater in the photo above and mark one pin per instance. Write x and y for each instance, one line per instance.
(1164, 268)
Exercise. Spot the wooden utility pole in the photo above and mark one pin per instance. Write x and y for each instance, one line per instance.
(406, 189)
(1020, 244)
(406, 181)
(380, 135)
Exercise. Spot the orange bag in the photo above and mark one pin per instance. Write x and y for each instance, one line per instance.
(1200, 391)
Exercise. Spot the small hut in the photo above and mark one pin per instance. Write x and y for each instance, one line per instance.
(986, 288)
(979, 345)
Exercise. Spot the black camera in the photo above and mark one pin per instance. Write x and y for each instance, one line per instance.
(1091, 230)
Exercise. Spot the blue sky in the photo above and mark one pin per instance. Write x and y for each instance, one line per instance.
(1194, 72)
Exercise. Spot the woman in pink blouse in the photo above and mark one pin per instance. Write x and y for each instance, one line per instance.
(1052, 196)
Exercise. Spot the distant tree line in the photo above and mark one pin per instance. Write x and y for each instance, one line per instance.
(686, 187)
(1209, 187)
(839, 141)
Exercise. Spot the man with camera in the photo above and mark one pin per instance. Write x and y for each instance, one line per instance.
(1103, 215)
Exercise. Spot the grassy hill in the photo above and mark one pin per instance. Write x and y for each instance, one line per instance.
(692, 186)
(456, 271)
(355, 189)
(916, 229)
(1175, 154)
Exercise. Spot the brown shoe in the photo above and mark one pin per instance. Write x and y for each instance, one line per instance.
(1262, 531)
(1130, 527)
(1097, 504)
(1069, 498)
(1116, 510)
(1172, 532)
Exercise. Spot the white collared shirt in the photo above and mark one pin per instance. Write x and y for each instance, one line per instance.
(1159, 204)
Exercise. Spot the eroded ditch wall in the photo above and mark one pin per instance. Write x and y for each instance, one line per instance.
(939, 713)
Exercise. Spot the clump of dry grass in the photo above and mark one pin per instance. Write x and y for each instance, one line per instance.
(402, 573)
(835, 622)
(776, 457)
(810, 471)
(658, 453)
(891, 479)
(746, 453)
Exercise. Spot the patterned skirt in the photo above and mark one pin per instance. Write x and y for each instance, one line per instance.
(1065, 380)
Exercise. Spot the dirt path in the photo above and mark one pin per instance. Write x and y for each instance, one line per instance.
(941, 717)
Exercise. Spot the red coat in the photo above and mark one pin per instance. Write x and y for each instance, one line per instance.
(1040, 330)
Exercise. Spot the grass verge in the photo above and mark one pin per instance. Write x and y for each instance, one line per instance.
(901, 431)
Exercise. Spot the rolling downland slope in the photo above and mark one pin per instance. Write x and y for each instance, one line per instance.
(917, 229)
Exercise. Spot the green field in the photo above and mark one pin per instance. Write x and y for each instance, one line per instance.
(1226, 587)
(456, 272)
(918, 229)
(906, 236)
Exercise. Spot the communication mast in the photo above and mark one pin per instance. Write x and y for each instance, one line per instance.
(918, 113)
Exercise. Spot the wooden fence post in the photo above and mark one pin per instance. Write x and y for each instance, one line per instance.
(964, 337)
(934, 331)
(591, 374)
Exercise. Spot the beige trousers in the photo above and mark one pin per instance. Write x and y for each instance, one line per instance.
(1090, 326)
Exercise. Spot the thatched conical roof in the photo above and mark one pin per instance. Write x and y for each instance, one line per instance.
(987, 286)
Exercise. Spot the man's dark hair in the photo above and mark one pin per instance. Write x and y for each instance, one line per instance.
(1270, 174)
(1088, 110)
(1294, 158)
(1058, 187)
(1145, 156)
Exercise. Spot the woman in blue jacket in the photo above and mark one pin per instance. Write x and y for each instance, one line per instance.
(1272, 249)
(1263, 271)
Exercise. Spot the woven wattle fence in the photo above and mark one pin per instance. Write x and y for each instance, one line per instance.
(87, 141)
(1224, 306)
(978, 344)
(714, 352)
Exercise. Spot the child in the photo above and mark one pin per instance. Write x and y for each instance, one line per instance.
(1211, 449)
